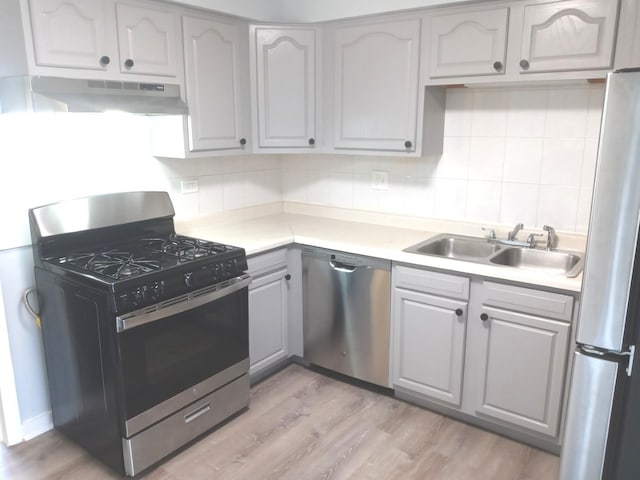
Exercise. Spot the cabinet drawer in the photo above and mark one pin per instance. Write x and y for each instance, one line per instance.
(267, 262)
(431, 282)
(526, 300)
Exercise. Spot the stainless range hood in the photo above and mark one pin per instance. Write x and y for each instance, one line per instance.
(54, 94)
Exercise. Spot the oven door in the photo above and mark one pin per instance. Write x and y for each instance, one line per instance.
(177, 351)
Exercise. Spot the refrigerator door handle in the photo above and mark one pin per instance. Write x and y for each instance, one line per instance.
(629, 353)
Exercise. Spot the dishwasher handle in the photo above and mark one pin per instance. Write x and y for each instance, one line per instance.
(342, 267)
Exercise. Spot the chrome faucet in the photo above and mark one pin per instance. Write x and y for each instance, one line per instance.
(514, 233)
(552, 238)
(491, 233)
(531, 239)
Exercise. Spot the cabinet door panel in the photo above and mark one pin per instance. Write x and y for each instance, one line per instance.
(286, 87)
(376, 86)
(267, 320)
(429, 339)
(464, 44)
(71, 33)
(523, 364)
(149, 38)
(211, 74)
(568, 35)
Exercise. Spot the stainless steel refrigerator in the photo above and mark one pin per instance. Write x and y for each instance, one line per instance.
(602, 432)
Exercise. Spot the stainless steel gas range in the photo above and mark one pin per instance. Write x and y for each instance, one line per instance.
(145, 331)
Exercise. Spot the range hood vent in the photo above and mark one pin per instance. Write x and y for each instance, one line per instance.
(54, 94)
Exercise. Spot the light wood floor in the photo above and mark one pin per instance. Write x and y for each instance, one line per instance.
(305, 426)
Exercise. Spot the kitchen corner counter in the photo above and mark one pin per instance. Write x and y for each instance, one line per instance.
(383, 241)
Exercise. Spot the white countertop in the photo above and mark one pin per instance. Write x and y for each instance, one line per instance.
(271, 231)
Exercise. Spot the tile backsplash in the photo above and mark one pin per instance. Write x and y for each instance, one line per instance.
(510, 155)
(517, 154)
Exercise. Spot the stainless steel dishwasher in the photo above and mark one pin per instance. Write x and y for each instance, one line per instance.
(346, 313)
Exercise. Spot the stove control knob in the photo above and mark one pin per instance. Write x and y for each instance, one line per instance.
(137, 297)
(155, 291)
(188, 281)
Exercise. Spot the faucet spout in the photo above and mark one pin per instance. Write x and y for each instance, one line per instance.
(552, 238)
(514, 233)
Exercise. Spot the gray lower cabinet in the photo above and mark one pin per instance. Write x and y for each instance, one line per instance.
(429, 333)
(268, 310)
(484, 351)
(523, 346)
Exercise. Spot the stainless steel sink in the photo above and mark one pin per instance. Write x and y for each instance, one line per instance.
(554, 262)
(455, 246)
(482, 250)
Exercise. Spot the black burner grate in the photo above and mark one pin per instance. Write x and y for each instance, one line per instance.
(112, 263)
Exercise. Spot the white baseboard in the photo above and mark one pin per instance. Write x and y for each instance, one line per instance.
(37, 425)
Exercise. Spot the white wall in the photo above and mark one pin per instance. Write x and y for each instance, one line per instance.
(521, 154)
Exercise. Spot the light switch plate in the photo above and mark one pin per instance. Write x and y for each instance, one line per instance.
(188, 186)
(380, 180)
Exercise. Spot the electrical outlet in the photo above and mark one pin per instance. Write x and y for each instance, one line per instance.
(188, 186)
(380, 180)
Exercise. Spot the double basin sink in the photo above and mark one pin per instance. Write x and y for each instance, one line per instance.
(491, 252)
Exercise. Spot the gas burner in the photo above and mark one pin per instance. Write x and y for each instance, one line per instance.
(185, 248)
(113, 263)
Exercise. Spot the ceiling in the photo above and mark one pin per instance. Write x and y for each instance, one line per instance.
(307, 11)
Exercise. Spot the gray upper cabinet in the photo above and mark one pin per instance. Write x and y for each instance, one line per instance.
(521, 40)
(148, 40)
(376, 85)
(467, 43)
(212, 71)
(216, 69)
(284, 82)
(73, 33)
(568, 35)
(113, 40)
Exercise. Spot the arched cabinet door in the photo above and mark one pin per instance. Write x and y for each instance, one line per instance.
(212, 69)
(568, 35)
(468, 43)
(72, 34)
(285, 83)
(376, 86)
(148, 40)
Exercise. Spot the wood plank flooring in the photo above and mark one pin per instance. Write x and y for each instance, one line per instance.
(305, 426)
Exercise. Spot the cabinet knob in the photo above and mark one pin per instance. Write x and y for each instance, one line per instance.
(128, 63)
(524, 64)
(312, 141)
(459, 312)
(497, 66)
(243, 141)
(484, 317)
(287, 277)
(104, 60)
(408, 144)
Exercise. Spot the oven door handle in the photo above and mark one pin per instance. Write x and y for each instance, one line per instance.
(172, 307)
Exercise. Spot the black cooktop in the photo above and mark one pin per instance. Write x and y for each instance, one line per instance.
(132, 258)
